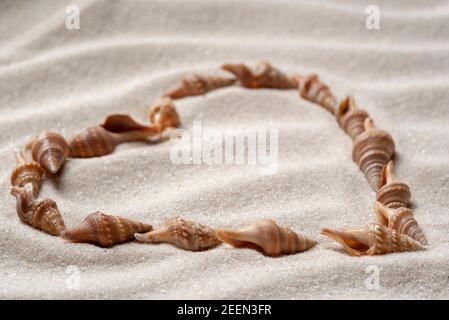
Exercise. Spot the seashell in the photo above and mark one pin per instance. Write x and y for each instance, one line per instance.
(50, 150)
(400, 220)
(105, 230)
(268, 236)
(41, 214)
(392, 193)
(163, 114)
(123, 123)
(102, 139)
(350, 118)
(182, 233)
(373, 239)
(27, 173)
(194, 85)
(24, 200)
(372, 150)
(264, 75)
(311, 88)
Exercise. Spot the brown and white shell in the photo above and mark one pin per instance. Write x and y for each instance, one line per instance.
(163, 114)
(194, 85)
(401, 220)
(102, 139)
(27, 172)
(393, 193)
(311, 88)
(372, 150)
(350, 117)
(105, 230)
(266, 235)
(264, 75)
(373, 239)
(50, 150)
(182, 233)
(41, 214)
(24, 200)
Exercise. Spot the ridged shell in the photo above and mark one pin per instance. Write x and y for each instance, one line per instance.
(24, 201)
(194, 85)
(373, 239)
(163, 114)
(182, 233)
(400, 220)
(105, 230)
(268, 236)
(28, 173)
(392, 193)
(372, 150)
(351, 118)
(264, 75)
(92, 142)
(41, 214)
(102, 139)
(311, 88)
(50, 150)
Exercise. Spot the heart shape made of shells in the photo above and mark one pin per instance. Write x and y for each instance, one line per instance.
(394, 230)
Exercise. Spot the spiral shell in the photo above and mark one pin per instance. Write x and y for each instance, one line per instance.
(372, 150)
(373, 239)
(92, 142)
(392, 193)
(123, 123)
(105, 230)
(28, 173)
(24, 200)
(194, 85)
(311, 88)
(41, 214)
(264, 75)
(350, 118)
(102, 139)
(401, 220)
(163, 114)
(50, 150)
(265, 234)
(182, 233)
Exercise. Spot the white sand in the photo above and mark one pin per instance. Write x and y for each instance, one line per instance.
(124, 56)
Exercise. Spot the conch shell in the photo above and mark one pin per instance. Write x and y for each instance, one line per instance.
(41, 214)
(102, 139)
(105, 230)
(393, 194)
(163, 114)
(372, 150)
(311, 88)
(50, 150)
(182, 233)
(401, 220)
(264, 75)
(194, 85)
(268, 236)
(27, 172)
(373, 239)
(350, 118)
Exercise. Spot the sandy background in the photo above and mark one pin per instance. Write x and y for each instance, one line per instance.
(128, 52)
